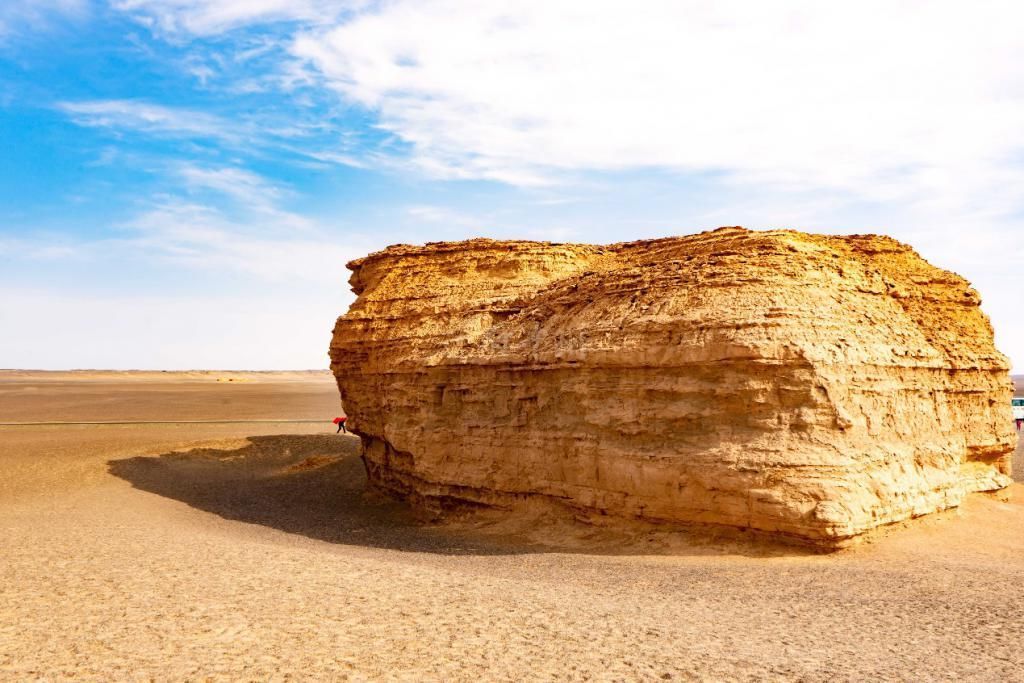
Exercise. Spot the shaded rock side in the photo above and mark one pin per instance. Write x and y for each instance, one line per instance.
(808, 386)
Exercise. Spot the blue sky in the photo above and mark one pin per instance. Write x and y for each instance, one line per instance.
(182, 181)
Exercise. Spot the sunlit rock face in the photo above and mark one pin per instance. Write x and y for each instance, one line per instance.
(811, 387)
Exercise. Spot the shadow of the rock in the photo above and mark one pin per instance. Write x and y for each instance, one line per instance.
(315, 485)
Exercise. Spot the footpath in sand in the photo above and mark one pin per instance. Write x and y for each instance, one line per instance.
(248, 552)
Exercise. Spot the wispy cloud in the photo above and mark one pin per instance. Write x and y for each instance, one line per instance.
(220, 220)
(252, 234)
(172, 231)
(152, 119)
(35, 16)
(198, 236)
(248, 136)
(207, 17)
(239, 183)
(257, 197)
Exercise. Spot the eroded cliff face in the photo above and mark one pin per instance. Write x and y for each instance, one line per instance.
(803, 385)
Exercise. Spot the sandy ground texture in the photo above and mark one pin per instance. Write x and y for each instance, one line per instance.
(249, 552)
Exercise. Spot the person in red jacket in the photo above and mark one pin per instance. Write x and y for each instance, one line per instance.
(340, 421)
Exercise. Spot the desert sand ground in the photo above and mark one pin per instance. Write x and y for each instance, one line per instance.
(249, 552)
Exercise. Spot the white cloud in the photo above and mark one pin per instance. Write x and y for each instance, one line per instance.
(33, 16)
(880, 98)
(152, 119)
(915, 101)
(207, 17)
(253, 235)
(253, 194)
(261, 245)
(265, 248)
(242, 185)
(250, 136)
(223, 220)
(339, 158)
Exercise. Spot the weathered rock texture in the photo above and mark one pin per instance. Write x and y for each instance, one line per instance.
(808, 386)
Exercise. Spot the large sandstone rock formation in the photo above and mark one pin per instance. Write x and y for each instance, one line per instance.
(808, 386)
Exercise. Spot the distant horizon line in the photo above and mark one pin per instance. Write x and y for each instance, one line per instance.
(214, 370)
(205, 370)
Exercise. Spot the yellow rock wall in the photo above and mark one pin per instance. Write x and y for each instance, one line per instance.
(803, 385)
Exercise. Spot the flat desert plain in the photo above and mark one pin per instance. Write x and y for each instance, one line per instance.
(247, 550)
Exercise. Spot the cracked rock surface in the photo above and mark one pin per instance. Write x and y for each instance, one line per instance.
(806, 386)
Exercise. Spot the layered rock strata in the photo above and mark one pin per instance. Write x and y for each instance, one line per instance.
(809, 386)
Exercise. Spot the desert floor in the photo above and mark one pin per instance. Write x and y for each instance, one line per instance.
(247, 551)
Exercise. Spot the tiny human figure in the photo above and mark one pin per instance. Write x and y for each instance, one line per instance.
(1020, 423)
(340, 421)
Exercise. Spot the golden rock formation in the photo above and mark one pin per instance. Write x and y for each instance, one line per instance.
(808, 386)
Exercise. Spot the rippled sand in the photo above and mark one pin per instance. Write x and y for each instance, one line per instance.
(248, 551)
